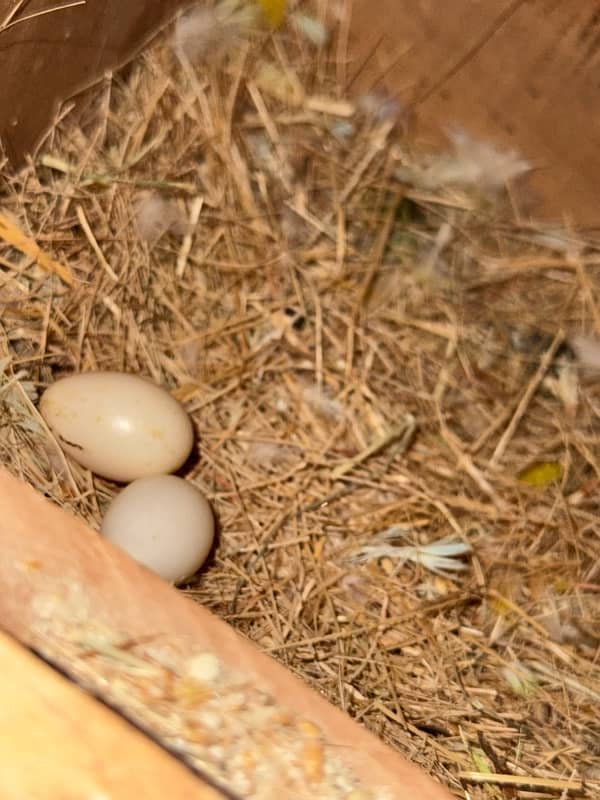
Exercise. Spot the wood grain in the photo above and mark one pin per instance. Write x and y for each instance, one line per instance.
(56, 743)
(45, 552)
(47, 59)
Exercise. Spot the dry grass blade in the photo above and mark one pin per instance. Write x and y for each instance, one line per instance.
(526, 399)
(11, 20)
(15, 237)
(566, 787)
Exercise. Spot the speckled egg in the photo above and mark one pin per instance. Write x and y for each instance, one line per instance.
(163, 522)
(118, 425)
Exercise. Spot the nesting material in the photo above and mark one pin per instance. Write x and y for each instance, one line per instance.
(404, 301)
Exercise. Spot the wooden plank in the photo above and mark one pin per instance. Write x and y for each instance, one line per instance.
(57, 743)
(47, 58)
(47, 555)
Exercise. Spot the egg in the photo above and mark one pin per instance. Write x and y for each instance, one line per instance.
(164, 523)
(119, 425)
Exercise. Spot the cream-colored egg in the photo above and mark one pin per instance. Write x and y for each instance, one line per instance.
(163, 522)
(119, 425)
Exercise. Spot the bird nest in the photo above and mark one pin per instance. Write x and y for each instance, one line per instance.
(394, 383)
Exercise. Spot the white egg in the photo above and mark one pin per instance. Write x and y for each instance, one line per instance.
(163, 522)
(119, 425)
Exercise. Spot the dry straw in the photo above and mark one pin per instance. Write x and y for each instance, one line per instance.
(363, 346)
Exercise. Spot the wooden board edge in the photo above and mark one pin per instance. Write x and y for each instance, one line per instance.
(58, 742)
(48, 555)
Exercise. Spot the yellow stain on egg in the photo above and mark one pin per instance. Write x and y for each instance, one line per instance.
(273, 11)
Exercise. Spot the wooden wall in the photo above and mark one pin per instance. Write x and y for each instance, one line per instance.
(525, 74)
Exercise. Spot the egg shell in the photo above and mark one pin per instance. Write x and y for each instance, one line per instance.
(119, 425)
(165, 523)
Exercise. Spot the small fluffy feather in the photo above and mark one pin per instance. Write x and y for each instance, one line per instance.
(156, 215)
(269, 455)
(203, 34)
(319, 402)
(379, 106)
(473, 163)
(312, 29)
(438, 557)
(587, 350)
